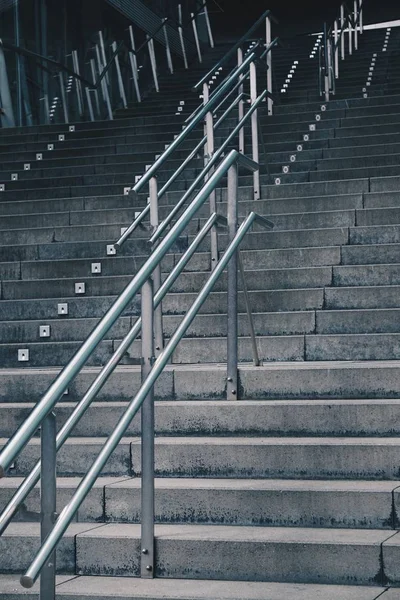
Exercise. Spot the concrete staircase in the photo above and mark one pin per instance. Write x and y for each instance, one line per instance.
(293, 490)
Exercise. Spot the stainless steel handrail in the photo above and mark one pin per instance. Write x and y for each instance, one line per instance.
(258, 60)
(25, 432)
(234, 48)
(209, 166)
(80, 409)
(146, 211)
(181, 138)
(69, 511)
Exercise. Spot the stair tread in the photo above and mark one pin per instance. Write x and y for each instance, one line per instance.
(80, 587)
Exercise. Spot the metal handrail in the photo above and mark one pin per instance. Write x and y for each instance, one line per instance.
(69, 511)
(44, 407)
(209, 166)
(150, 173)
(332, 39)
(258, 61)
(80, 409)
(234, 48)
(217, 155)
(62, 381)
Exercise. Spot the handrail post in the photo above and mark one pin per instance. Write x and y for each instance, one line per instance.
(96, 94)
(326, 64)
(232, 324)
(336, 37)
(208, 24)
(63, 96)
(254, 130)
(154, 222)
(196, 37)
(119, 76)
(153, 63)
(104, 87)
(134, 68)
(350, 37)
(241, 103)
(6, 120)
(355, 25)
(342, 44)
(208, 154)
(269, 65)
(147, 421)
(256, 358)
(78, 85)
(48, 499)
(180, 31)
(167, 48)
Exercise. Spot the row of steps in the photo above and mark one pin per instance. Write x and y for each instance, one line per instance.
(293, 490)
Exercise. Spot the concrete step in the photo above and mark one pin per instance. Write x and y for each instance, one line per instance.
(357, 418)
(291, 503)
(274, 279)
(291, 323)
(289, 380)
(366, 275)
(358, 321)
(85, 307)
(370, 254)
(362, 297)
(285, 553)
(367, 458)
(155, 589)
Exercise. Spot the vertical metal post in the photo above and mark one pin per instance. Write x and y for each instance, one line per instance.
(78, 86)
(269, 65)
(89, 101)
(103, 55)
(18, 64)
(350, 38)
(63, 96)
(43, 51)
(119, 77)
(7, 119)
(342, 45)
(25, 96)
(134, 67)
(48, 502)
(46, 109)
(336, 37)
(152, 55)
(361, 18)
(355, 25)
(196, 37)
(96, 94)
(241, 103)
(167, 48)
(208, 154)
(147, 419)
(154, 221)
(254, 130)
(256, 359)
(326, 63)
(207, 18)
(232, 325)
(180, 31)
(103, 84)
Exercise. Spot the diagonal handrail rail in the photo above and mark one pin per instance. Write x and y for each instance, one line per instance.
(234, 48)
(69, 511)
(209, 166)
(80, 409)
(27, 429)
(150, 173)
